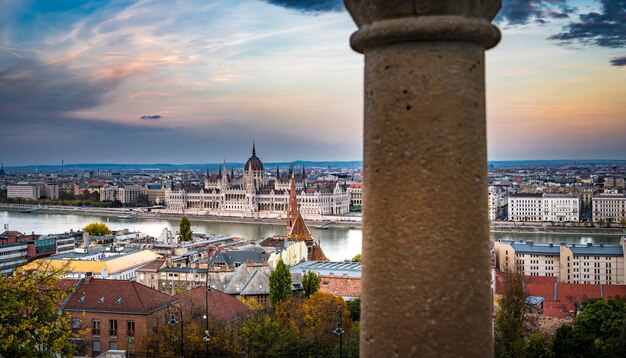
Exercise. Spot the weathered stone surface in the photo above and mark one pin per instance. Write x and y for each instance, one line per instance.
(397, 21)
(426, 237)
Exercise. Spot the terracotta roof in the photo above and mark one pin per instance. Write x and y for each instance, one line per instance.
(344, 286)
(317, 254)
(116, 296)
(299, 230)
(222, 307)
(152, 266)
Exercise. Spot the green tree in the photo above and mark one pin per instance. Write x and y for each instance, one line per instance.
(310, 283)
(354, 307)
(30, 322)
(356, 258)
(598, 331)
(97, 229)
(539, 346)
(280, 284)
(622, 222)
(184, 233)
(512, 320)
(264, 337)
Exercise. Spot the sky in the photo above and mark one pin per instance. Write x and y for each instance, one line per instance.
(197, 81)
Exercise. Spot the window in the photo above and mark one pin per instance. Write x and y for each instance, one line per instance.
(113, 345)
(130, 328)
(113, 327)
(75, 324)
(96, 348)
(95, 330)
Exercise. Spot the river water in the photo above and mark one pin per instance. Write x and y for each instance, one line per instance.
(338, 243)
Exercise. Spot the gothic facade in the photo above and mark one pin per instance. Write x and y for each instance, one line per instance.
(257, 192)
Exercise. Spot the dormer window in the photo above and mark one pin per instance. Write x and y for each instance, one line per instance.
(82, 299)
(118, 300)
(101, 300)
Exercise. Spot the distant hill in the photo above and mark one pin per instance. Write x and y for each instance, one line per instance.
(297, 163)
(174, 167)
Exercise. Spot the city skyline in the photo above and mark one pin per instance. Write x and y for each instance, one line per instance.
(191, 82)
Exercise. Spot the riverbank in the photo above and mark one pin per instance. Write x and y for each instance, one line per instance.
(142, 213)
(580, 230)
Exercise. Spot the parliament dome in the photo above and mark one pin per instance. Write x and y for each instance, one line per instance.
(254, 163)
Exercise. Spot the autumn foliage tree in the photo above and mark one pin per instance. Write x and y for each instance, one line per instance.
(184, 232)
(30, 322)
(313, 320)
(97, 229)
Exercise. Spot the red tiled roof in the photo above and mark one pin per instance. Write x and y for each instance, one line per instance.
(222, 307)
(299, 231)
(152, 266)
(614, 290)
(566, 293)
(131, 297)
(345, 286)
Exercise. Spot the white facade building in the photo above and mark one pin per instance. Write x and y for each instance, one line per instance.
(609, 207)
(254, 194)
(23, 191)
(498, 201)
(544, 207)
(526, 207)
(356, 194)
(561, 207)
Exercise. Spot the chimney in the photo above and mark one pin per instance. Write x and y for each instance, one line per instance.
(88, 277)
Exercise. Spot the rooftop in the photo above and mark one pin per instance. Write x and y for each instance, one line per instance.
(101, 295)
(329, 268)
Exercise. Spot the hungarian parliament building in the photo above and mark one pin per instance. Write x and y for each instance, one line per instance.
(257, 194)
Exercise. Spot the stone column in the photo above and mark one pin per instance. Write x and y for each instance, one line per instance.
(426, 281)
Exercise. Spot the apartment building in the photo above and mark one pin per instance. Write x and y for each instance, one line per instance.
(609, 206)
(561, 207)
(116, 314)
(570, 263)
(544, 207)
(498, 203)
(526, 207)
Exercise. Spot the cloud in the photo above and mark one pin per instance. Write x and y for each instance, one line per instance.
(604, 29)
(618, 61)
(309, 6)
(34, 89)
(521, 12)
(156, 116)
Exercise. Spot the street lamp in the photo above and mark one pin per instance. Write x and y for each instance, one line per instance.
(339, 331)
(207, 337)
(172, 322)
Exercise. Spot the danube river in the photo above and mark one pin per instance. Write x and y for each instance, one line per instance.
(338, 243)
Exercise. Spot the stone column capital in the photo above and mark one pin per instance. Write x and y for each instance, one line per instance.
(384, 22)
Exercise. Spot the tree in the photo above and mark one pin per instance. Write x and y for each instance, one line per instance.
(184, 233)
(313, 321)
(356, 258)
(97, 229)
(354, 307)
(264, 337)
(598, 331)
(622, 222)
(280, 284)
(512, 320)
(310, 283)
(30, 322)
